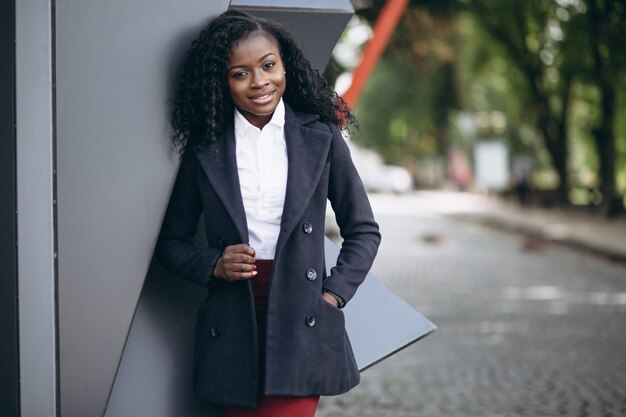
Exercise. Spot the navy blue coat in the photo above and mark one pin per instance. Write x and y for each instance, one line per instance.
(307, 349)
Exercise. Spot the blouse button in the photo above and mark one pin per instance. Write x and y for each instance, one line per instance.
(216, 331)
(308, 228)
(310, 321)
(311, 274)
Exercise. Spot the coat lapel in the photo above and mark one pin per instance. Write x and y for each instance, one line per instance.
(307, 150)
(221, 170)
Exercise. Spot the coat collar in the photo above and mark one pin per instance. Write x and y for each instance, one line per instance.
(307, 151)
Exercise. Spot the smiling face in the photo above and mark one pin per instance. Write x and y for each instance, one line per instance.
(256, 77)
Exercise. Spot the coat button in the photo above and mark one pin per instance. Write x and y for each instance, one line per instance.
(311, 274)
(216, 331)
(310, 321)
(308, 228)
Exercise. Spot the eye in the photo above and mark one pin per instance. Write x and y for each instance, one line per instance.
(239, 75)
(268, 65)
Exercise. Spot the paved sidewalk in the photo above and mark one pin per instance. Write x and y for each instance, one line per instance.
(587, 231)
(522, 331)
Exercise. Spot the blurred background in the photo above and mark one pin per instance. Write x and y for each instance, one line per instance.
(523, 98)
(493, 140)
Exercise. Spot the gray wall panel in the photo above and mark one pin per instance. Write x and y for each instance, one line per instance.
(9, 395)
(158, 358)
(34, 160)
(317, 29)
(297, 4)
(115, 62)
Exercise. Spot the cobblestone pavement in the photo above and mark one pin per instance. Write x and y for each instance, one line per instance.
(525, 328)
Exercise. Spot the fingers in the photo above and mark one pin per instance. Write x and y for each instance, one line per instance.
(239, 254)
(237, 272)
(237, 262)
(244, 258)
(242, 248)
(330, 299)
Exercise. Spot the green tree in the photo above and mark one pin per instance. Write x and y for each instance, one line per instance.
(561, 47)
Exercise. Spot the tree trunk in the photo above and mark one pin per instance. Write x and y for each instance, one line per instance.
(553, 128)
(555, 139)
(604, 133)
(604, 136)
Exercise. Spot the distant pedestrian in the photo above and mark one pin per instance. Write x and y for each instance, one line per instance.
(262, 153)
(522, 170)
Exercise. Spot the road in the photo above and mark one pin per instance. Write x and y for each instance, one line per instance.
(525, 328)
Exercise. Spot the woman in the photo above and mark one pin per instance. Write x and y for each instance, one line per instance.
(258, 130)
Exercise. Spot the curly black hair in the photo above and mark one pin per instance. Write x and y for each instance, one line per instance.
(202, 107)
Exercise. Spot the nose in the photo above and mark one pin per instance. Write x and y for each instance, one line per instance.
(259, 79)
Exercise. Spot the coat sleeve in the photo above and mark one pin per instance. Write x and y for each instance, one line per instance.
(175, 249)
(353, 213)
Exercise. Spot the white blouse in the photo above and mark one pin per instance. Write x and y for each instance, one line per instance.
(262, 167)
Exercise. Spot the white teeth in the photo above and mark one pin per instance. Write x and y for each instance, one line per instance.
(263, 98)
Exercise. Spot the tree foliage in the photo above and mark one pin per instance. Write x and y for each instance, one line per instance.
(556, 68)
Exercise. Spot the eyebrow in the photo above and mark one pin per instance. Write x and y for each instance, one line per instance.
(261, 59)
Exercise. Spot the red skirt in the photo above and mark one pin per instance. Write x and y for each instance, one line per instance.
(270, 405)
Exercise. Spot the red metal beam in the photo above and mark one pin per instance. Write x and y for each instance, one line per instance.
(383, 29)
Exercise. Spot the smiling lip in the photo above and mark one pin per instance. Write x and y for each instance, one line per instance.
(262, 98)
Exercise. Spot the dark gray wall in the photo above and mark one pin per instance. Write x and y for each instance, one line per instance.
(115, 62)
(9, 399)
